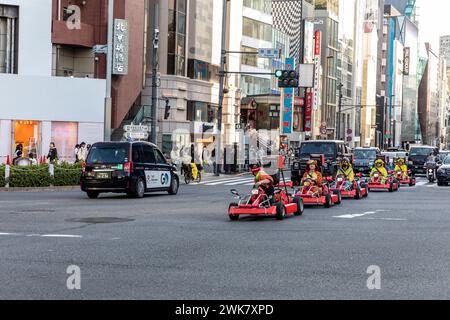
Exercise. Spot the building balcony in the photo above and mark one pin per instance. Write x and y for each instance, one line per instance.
(83, 37)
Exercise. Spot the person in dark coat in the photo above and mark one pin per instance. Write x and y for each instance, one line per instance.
(52, 153)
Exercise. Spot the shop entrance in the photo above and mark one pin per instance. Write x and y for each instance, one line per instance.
(27, 134)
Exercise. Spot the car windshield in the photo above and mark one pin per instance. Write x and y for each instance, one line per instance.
(366, 154)
(447, 160)
(112, 154)
(421, 152)
(328, 149)
(442, 156)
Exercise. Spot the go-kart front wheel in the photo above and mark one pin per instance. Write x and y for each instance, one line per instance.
(358, 192)
(233, 217)
(281, 211)
(300, 207)
(339, 194)
(328, 201)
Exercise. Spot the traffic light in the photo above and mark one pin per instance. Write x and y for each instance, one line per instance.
(167, 111)
(287, 78)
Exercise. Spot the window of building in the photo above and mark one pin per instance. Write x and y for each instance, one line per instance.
(9, 38)
(260, 5)
(65, 137)
(27, 134)
(257, 30)
(254, 85)
(201, 70)
(253, 60)
(176, 60)
(201, 111)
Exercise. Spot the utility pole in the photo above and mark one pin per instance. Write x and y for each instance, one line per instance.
(221, 88)
(154, 135)
(109, 63)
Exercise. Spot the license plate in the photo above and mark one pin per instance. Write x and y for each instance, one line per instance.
(103, 175)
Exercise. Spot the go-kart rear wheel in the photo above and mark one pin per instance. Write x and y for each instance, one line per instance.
(300, 207)
(328, 201)
(281, 211)
(233, 217)
(339, 194)
(357, 193)
(391, 186)
(412, 182)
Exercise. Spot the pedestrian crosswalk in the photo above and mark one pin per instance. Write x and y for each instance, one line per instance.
(248, 180)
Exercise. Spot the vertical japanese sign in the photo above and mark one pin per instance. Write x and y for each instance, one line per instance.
(317, 62)
(288, 102)
(308, 112)
(406, 60)
(120, 47)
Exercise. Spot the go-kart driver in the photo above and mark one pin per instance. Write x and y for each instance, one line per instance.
(346, 171)
(380, 169)
(263, 180)
(312, 177)
(400, 165)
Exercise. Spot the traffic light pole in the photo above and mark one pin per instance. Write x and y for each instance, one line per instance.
(223, 58)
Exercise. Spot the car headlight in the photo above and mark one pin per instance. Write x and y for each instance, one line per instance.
(410, 163)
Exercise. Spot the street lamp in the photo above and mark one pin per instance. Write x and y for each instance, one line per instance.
(338, 134)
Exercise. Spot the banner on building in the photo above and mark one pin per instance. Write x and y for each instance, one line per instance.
(317, 62)
(308, 112)
(120, 47)
(288, 102)
(406, 60)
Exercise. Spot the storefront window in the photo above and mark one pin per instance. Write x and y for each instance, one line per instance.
(65, 137)
(27, 134)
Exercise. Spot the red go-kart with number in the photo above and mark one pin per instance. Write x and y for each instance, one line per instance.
(356, 190)
(391, 184)
(258, 203)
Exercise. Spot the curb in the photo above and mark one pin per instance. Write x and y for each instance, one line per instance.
(44, 189)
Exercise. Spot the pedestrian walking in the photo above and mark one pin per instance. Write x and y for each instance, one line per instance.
(18, 153)
(75, 152)
(52, 155)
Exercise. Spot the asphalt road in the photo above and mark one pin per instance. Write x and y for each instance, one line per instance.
(185, 247)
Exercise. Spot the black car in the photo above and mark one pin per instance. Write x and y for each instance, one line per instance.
(133, 168)
(443, 173)
(364, 159)
(418, 156)
(332, 150)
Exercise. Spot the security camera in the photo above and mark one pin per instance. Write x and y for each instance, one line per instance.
(155, 38)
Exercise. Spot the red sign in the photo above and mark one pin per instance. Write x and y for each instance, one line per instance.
(317, 43)
(308, 112)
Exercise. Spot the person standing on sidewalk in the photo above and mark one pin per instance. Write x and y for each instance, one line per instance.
(52, 155)
(82, 152)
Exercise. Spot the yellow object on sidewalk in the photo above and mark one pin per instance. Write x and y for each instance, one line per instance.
(194, 171)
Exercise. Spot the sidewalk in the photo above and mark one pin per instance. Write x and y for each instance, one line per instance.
(43, 189)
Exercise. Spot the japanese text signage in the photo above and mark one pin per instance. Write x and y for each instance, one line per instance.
(406, 61)
(120, 47)
(308, 113)
(317, 62)
(288, 102)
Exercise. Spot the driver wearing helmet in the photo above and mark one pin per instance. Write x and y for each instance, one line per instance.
(380, 169)
(312, 177)
(262, 179)
(346, 170)
(400, 165)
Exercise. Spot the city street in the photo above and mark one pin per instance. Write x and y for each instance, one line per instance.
(185, 247)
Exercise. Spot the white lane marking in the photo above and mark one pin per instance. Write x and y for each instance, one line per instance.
(240, 182)
(387, 219)
(9, 234)
(421, 183)
(226, 181)
(61, 236)
(222, 180)
(351, 216)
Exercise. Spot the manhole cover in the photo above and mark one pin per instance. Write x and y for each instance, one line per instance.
(99, 220)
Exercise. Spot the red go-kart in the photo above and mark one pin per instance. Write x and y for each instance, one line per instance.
(319, 195)
(259, 204)
(356, 190)
(390, 184)
(409, 180)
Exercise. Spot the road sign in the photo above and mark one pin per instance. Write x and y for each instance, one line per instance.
(349, 131)
(323, 130)
(349, 138)
(270, 53)
(100, 49)
(136, 128)
(136, 135)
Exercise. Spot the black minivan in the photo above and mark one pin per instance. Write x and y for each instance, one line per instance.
(133, 168)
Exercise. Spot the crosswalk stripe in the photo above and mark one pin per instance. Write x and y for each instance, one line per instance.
(225, 180)
(215, 183)
(239, 182)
